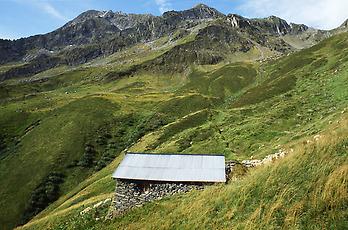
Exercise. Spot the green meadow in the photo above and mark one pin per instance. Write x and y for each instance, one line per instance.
(65, 131)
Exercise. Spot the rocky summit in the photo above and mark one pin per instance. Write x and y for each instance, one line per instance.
(100, 33)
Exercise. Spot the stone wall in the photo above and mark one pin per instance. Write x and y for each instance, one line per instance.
(229, 167)
(129, 194)
(268, 159)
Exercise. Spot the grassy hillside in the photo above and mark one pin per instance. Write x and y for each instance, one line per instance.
(69, 131)
(66, 131)
(305, 190)
(64, 124)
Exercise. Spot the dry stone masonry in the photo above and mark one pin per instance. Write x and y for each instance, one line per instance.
(131, 194)
(268, 159)
(229, 167)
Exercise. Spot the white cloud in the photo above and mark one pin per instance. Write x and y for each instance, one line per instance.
(323, 14)
(45, 7)
(49, 9)
(163, 5)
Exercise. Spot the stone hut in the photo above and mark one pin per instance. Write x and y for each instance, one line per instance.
(143, 177)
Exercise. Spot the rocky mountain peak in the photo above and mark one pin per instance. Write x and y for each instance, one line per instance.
(279, 25)
(199, 11)
(83, 17)
(298, 28)
(87, 15)
(205, 11)
(201, 6)
(237, 21)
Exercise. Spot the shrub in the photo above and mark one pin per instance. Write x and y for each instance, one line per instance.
(47, 192)
(88, 157)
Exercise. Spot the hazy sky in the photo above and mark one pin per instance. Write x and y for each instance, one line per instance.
(22, 18)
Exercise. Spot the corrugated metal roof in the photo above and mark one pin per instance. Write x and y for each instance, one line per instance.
(172, 167)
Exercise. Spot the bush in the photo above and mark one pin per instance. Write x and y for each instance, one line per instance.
(88, 157)
(44, 194)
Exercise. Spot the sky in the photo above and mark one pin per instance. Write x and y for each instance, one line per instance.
(23, 18)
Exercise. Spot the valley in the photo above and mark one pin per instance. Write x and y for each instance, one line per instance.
(198, 86)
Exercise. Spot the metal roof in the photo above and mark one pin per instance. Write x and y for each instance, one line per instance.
(172, 167)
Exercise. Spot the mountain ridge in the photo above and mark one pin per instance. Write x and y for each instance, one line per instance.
(101, 33)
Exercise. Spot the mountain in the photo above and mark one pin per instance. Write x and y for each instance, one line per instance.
(101, 33)
(73, 101)
(97, 26)
(245, 110)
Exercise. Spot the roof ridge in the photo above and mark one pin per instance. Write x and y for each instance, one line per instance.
(180, 154)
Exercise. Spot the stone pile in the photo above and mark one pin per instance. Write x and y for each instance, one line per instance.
(268, 159)
(229, 167)
(131, 194)
(251, 163)
(102, 203)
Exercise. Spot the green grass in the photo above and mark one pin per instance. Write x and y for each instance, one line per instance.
(185, 123)
(306, 190)
(51, 144)
(224, 82)
(242, 110)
